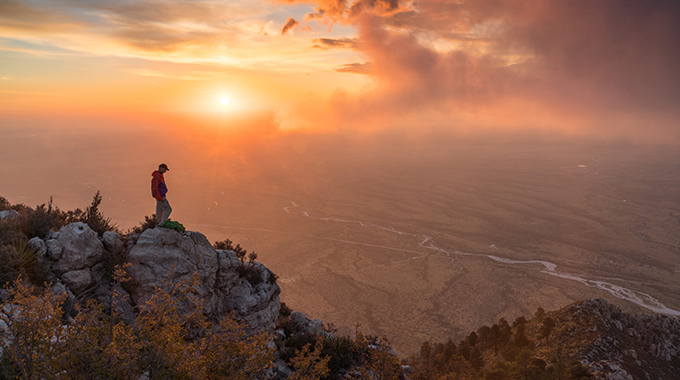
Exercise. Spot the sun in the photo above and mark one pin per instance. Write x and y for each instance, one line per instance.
(224, 101)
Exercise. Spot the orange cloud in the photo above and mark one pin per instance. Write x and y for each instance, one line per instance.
(290, 23)
(356, 68)
(605, 65)
(347, 12)
(330, 43)
(235, 34)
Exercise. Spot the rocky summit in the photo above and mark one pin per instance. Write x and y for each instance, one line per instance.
(80, 261)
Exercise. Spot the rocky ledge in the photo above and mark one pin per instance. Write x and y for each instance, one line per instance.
(619, 346)
(80, 265)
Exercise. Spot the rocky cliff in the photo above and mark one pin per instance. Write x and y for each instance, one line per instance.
(81, 263)
(611, 344)
(618, 346)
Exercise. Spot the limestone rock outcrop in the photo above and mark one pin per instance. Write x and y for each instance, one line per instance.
(75, 254)
(615, 345)
(162, 257)
(81, 263)
(304, 324)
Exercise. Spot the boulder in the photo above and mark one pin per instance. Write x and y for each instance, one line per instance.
(43, 259)
(39, 245)
(122, 301)
(77, 280)
(74, 247)
(303, 324)
(163, 258)
(8, 214)
(228, 269)
(71, 253)
(59, 288)
(113, 243)
(254, 297)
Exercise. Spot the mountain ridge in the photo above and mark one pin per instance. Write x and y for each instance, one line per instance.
(594, 334)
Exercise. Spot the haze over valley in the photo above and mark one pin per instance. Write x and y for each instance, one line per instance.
(413, 239)
(418, 168)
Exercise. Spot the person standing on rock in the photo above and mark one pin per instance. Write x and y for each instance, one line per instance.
(158, 191)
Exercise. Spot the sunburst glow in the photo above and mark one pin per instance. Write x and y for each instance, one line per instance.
(224, 101)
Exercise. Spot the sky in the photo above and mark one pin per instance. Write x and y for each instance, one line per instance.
(606, 68)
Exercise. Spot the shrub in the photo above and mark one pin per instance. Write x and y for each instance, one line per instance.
(159, 344)
(285, 311)
(248, 270)
(4, 204)
(41, 221)
(35, 333)
(378, 359)
(308, 364)
(44, 218)
(252, 275)
(8, 271)
(95, 219)
(252, 256)
(21, 259)
(28, 260)
(147, 223)
(226, 245)
(342, 354)
(367, 357)
(100, 347)
(11, 230)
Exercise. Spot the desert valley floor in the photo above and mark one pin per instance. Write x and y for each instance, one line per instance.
(411, 241)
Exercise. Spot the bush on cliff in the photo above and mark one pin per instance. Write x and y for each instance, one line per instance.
(96, 344)
(364, 357)
(94, 218)
(17, 257)
(44, 218)
(502, 351)
(147, 223)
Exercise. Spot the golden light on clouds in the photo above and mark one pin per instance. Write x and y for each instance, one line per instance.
(361, 64)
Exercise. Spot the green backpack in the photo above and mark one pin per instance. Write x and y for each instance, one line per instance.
(173, 225)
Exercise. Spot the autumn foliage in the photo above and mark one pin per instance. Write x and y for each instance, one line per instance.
(38, 341)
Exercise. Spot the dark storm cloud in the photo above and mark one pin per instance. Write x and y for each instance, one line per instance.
(593, 59)
(630, 50)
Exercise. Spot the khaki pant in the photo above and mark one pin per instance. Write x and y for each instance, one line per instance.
(163, 210)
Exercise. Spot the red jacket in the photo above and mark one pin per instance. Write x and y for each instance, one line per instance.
(158, 187)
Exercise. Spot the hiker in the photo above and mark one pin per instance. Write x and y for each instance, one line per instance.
(158, 191)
